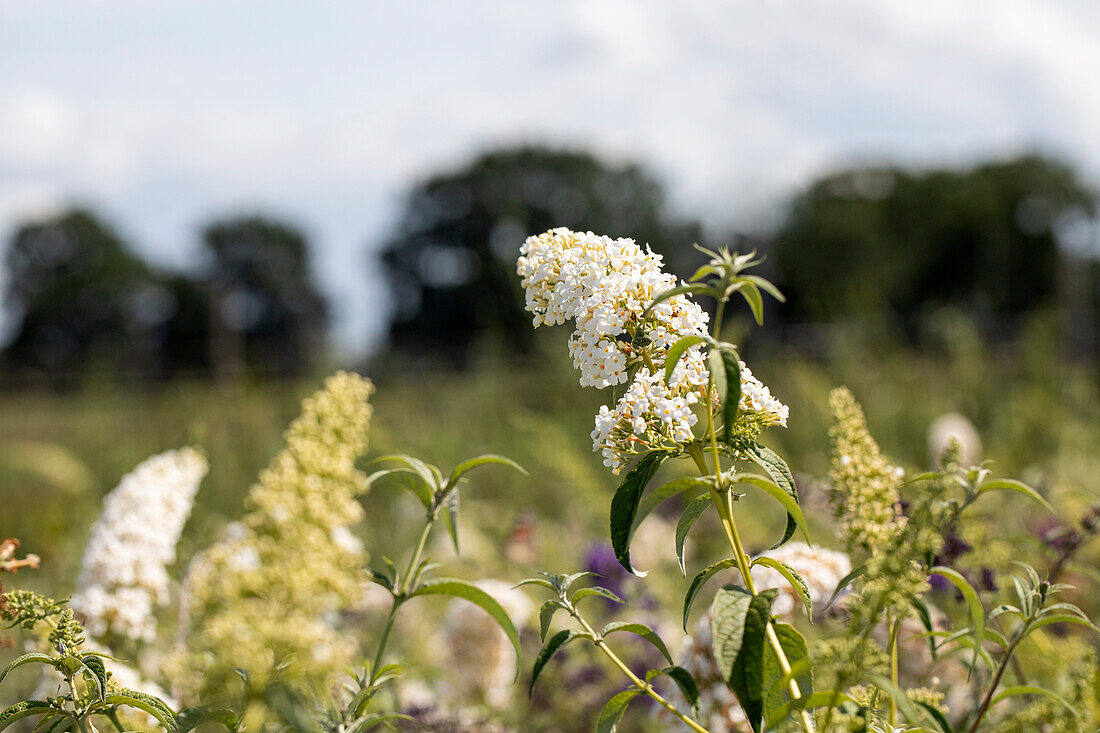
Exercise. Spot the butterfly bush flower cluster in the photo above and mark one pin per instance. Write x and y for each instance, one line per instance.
(864, 484)
(266, 594)
(604, 286)
(123, 577)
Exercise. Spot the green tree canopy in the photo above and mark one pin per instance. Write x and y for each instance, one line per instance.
(82, 300)
(269, 314)
(885, 240)
(451, 260)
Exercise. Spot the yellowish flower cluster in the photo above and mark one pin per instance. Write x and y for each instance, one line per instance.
(864, 484)
(266, 595)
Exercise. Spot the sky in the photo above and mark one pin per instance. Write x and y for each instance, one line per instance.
(163, 114)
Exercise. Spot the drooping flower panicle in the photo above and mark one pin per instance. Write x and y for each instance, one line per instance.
(605, 286)
(124, 576)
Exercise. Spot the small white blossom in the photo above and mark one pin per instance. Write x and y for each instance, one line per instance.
(123, 575)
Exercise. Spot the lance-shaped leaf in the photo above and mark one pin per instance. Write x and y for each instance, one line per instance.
(825, 698)
(732, 397)
(147, 704)
(691, 513)
(683, 680)
(546, 616)
(191, 718)
(1007, 484)
(473, 594)
(973, 602)
(613, 711)
(843, 584)
(482, 460)
(596, 590)
(677, 351)
(784, 497)
(429, 474)
(557, 642)
(776, 683)
(450, 516)
(96, 675)
(663, 493)
(1031, 690)
(791, 575)
(32, 658)
(640, 630)
(25, 709)
(699, 581)
(739, 631)
(624, 505)
(781, 474)
(412, 481)
(682, 290)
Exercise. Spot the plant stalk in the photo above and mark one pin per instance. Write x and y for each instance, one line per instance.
(988, 700)
(638, 682)
(399, 594)
(725, 512)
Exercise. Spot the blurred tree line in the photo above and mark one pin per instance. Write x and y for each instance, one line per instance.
(875, 244)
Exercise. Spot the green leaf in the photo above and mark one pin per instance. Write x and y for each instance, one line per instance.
(663, 493)
(624, 505)
(612, 713)
(148, 704)
(677, 351)
(699, 581)
(482, 460)
(596, 590)
(557, 642)
(781, 495)
(473, 594)
(776, 683)
(926, 621)
(1029, 690)
(973, 602)
(1007, 484)
(751, 294)
(792, 577)
(781, 474)
(739, 631)
(32, 658)
(844, 583)
(450, 515)
(704, 271)
(24, 709)
(409, 479)
(541, 582)
(717, 368)
(731, 399)
(691, 513)
(95, 673)
(640, 630)
(372, 720)
(905, 706)
(939, 718)
(682, 290)
(683, 680)
(546, 616)
(766, 286)
(192, 718)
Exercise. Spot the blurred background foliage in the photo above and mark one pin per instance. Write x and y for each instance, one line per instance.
(925, 291)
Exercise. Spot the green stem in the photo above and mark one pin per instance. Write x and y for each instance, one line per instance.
(718, 313)
(399, 594)
(895, 629)
(722, 503)
(638, 682)
(988, 700)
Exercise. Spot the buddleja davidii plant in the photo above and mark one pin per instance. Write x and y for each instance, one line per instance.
(440, 497)
(92, 697)
(763, 662)
(635, 325)
(902, 549)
